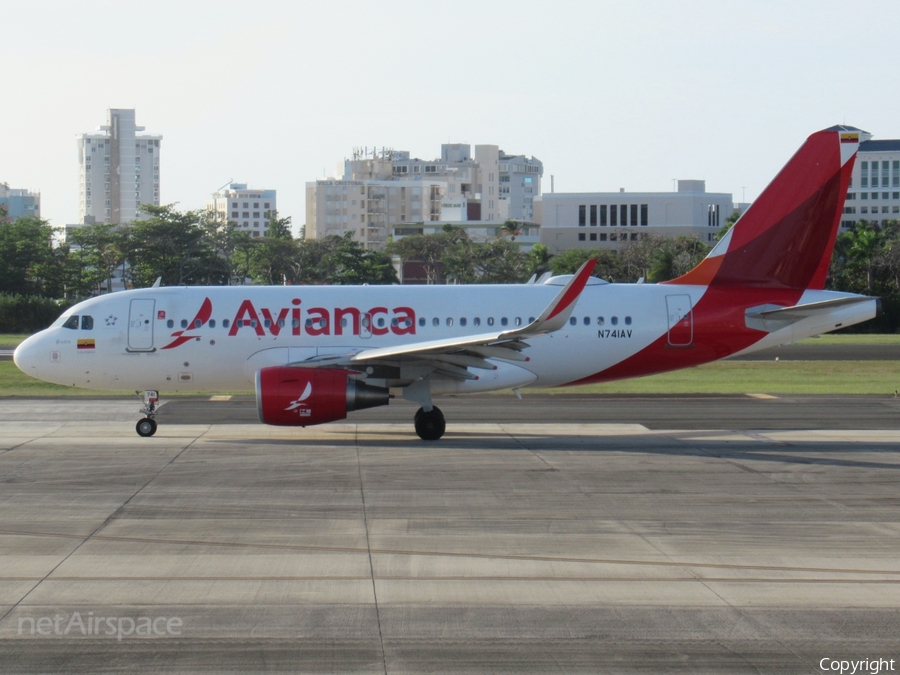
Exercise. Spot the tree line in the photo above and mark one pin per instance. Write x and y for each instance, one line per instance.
(199, 248)
(181, 248)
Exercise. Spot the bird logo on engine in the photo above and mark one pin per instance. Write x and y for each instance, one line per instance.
(303, 409)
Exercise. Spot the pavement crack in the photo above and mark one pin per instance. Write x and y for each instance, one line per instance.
(362, 495)
(101, 526)
(32, 440)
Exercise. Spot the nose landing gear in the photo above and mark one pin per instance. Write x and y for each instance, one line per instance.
(147, 427)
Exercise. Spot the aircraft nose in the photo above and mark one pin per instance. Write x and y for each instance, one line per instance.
(25, 356)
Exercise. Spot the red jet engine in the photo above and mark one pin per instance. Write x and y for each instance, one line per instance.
(301, 397)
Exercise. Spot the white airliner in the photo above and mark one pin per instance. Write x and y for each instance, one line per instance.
(314, 353)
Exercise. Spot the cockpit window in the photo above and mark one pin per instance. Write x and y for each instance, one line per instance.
(87, 322)
(71, 322)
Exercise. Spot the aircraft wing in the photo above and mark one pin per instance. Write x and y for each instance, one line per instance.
(453, 356)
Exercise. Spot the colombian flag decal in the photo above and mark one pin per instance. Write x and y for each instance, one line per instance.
(86, 344)
(849, 138)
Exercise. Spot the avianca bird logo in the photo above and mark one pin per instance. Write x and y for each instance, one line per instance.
(298, 404)
(202, 317)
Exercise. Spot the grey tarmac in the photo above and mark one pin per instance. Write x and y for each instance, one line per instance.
(727, 538)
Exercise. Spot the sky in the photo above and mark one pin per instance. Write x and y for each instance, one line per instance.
(606, 94)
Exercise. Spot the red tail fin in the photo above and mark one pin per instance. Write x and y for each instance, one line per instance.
(786, 237)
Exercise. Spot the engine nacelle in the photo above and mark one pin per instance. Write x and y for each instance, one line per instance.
(302, 397)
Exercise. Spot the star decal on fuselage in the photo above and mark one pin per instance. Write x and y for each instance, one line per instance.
(111, 320)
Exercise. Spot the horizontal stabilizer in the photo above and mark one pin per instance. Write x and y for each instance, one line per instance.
(770, 318)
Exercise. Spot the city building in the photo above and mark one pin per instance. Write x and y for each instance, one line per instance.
(611, 219)
(18, 203)
(245, 207)
(118, 170)
(489, 185)
(369, 208)
(874, 192)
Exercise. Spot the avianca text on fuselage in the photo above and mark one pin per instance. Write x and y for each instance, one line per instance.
(316, 320)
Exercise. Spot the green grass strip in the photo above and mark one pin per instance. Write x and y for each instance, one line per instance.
(758, 377)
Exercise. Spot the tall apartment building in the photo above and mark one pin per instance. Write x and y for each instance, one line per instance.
(874, 192)
(369, 208)
(245, 207)
(118, 170)
(17, 203)
(611, 219)
(493, 186)
(505, 185)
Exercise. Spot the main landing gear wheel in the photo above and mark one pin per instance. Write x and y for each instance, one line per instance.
(430, 425)
(146, 427)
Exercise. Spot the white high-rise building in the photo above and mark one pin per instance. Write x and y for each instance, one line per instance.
(244, 207)
(118, 170)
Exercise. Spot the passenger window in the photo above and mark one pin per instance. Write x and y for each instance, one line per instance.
(587, 321)
(518, 320)
(212, 323)
(184, 323)
(422, 321)
(530, 319)
(476, 321)
(435, 321)
(614, 321)
(226, 322)
(600, 321)
(253, 323)
(395, 322)
(490, 321)
(71, 322)
(87, 322)
(462, 321)
(380, 322)
(573, 321)
(627, 320)
(197, 323)
(280, 323)
(170, 323)
(344, 323)
(504, 321)
(266, 322)
(449, 321)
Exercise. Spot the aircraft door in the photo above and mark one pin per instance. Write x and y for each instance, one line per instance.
(140, 325)
(680, 320)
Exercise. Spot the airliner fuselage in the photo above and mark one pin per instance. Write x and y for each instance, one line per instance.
(313, 354)
(160, 339)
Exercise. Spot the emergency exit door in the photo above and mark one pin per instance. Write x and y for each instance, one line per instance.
(140, 325)
(680, 320)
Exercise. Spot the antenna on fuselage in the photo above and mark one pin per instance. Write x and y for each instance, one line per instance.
(157, 283)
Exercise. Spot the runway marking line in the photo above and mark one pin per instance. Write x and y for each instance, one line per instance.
(764, 397)
(449, 554)
(760, 580)
(220, 398)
